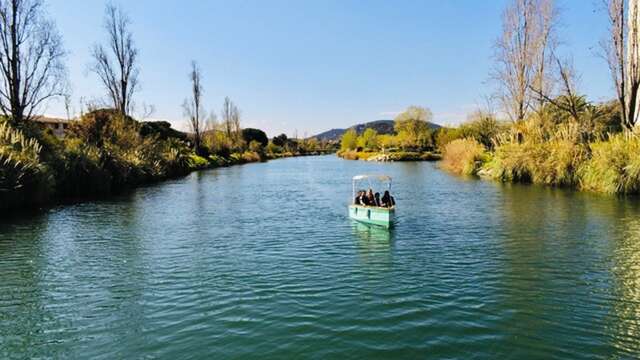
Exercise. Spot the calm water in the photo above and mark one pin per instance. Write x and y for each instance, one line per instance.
(260, 261)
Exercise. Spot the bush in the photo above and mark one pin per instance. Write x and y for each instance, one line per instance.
(355, 155)
(82, 173)
(218, 160)
(251, 156)
(463, 156)
(250, 135)
(349, 140)
(24, 179)
(197, 162)
(614, 166)
(552, 163)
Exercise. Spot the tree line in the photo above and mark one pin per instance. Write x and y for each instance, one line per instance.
(553, 134)
(105, 149)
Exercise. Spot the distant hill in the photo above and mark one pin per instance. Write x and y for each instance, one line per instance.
(381, 126)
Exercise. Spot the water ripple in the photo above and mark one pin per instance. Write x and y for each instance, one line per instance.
(260, 261)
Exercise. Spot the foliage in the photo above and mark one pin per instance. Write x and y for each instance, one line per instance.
(412, 128)
(162, 129)
(463, 156)
(24, 179)
(368, 139)
(614, 166)
(280, 140)
(413, 156)
(197, 162)
(272, 148)
(349, 140)
(483, 127)
(257, 135)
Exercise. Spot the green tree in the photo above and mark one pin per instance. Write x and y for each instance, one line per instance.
(368, 139)
(250, 134)
(280, 140)
(413, 128)
(349, 140)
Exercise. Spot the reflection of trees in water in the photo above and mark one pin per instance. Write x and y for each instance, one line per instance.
(533, 241)
(626, 287)
(374, 245)
(571, 268)
(25, 318)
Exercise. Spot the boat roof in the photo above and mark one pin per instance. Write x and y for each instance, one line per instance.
(369, 176)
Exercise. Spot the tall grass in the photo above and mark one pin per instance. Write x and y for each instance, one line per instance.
(532, 152)
(614, 166)
(463, 156)
(24, 179)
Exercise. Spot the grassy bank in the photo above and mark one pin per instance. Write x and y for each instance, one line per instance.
(104, 153)
(389, 156)
(589, 153)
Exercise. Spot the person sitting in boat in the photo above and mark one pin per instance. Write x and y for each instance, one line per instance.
(371, 199)
(387, 200)
(361, 199)
(377, 199)
(358, 198)
(364, 199)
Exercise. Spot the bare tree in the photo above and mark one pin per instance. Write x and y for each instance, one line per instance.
(235, 119)
(547, 22)
(566, 98)
(227, 116)
(117, 70)
(31, 59)
(231, 121)
(211, 123)
(147, 111)
(623, 56)
(522, 53)
(193, 106)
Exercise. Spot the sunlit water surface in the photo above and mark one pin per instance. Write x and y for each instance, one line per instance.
(260, 261)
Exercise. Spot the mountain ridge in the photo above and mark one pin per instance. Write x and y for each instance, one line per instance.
(381, 126)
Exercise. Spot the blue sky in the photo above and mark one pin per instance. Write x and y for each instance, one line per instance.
(308, 66)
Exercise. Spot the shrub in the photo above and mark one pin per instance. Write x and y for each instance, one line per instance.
(550, 163)
(24, 179)
(614, 166)
(463, 156)
(197, 162)
(250, 135)
(355, 155)
(82, 173)
(349, 140)
(218, 160)
(272, 148)
(251, 156)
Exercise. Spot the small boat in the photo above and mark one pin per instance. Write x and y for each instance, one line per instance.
(371, 214)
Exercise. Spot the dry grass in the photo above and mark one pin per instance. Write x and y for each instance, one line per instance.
(463, 156)
(614, 166)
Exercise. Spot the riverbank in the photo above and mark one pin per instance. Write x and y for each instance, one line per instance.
(389, 156)
(103, 154)
(559, 155)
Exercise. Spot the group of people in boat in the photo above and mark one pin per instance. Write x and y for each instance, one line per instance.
(368, 198)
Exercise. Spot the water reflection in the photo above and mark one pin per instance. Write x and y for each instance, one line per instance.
(202, 265)
(374, 245)
(626, 270)
(563, 252)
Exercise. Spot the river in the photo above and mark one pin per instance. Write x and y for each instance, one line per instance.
(260, 261)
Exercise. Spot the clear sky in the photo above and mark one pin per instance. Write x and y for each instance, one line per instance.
(314, 65)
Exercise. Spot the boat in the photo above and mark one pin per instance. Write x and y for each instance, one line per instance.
(371, 214)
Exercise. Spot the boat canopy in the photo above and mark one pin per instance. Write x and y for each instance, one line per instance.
(378, 177)
(368, 178)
